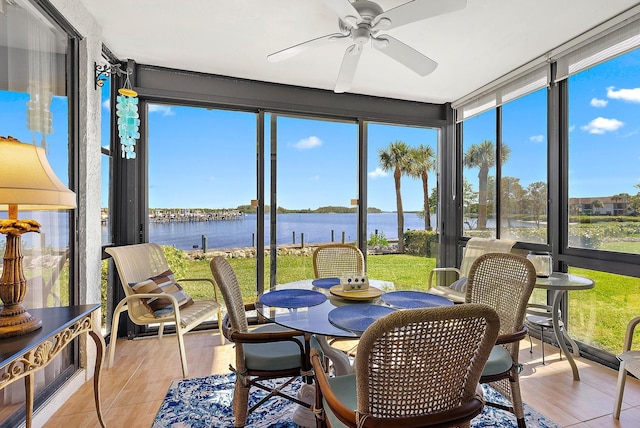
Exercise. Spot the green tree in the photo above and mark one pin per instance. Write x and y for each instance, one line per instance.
(470, 201)
(396, 158)
(433, 200)
(536, 197)
(615, 199)
(596, 203)
(483, 157)
(634, 201)
(512, 198)
(423, 160)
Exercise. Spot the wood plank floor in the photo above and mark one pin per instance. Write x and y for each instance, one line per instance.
(133, 390)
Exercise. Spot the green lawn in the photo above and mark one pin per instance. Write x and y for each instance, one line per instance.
(632, 247)
(598, 316)
(407, 272)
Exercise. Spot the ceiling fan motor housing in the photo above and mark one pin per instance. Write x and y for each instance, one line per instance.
(368, 10)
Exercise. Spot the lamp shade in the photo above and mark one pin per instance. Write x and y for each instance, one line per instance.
(27, 180)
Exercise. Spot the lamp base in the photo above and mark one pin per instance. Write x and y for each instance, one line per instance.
(16, 321)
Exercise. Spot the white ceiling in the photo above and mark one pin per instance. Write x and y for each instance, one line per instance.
(472, 46)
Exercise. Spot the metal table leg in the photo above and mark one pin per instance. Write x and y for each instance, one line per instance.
(561, 334)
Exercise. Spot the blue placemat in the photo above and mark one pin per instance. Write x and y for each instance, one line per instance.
(292, 298)
(414, 299)
(357, 317)
(325, 282)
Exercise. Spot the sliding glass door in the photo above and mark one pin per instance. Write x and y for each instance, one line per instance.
(202, 178)
(315, 182)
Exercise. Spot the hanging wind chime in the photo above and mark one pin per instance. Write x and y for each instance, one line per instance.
(128, 119)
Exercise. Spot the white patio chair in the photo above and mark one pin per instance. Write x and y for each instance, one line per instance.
(139, 263)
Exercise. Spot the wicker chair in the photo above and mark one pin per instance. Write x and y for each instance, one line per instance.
(504, 282)
(140, 262)
(334, 260)
(267, 352)
(475, 248)
(415, 368)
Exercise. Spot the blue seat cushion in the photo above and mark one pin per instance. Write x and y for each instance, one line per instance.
(344, 387)
(274, 355)
(499, 361)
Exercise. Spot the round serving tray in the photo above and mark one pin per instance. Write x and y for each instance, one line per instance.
(368, 294)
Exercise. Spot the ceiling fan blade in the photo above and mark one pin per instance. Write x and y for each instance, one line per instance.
(415, 11)
(345, 10)
(404, 54)
(301, 47)
(348, 68)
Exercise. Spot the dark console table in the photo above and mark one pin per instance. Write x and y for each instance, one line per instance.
(22, 356)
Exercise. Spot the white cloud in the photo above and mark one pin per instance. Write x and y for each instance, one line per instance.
(628, 95)
(377, 173)
(600, 125)
(572, 128)
(315, 178)
(157, 108)
(596, 102)
(537, 138)
(308, 143)
(106, 104)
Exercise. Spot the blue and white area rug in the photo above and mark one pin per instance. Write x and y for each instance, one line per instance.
(206, 402)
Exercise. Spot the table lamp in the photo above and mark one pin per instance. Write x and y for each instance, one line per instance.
(26, 181)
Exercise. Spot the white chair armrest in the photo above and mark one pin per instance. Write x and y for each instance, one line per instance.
(213, 284)
(442, 269)
(628, 338)
(172, 299)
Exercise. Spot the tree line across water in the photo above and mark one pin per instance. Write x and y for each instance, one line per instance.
(516, 201)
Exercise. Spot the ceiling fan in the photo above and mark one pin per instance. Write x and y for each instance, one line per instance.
(362, 21)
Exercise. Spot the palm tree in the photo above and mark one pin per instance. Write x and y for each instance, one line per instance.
(596, 204)
(396, 158)
(483, 156)
(423, 161)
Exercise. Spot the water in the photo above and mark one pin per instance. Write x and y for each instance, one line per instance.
(239, 233)
(316, 228)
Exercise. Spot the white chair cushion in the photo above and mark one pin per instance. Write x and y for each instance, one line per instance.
(197, 311)
(448, 292)
(272, 356)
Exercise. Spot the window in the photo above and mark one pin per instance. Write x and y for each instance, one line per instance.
(401, 183)
(479, 177)
(316, 179)
(34, 108)
(107, 156)
(604, 185)
(523, 183)
(202, 179)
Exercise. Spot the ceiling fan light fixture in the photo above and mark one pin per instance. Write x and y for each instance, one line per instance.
(383, 24)
(361, 35)
(380, 43)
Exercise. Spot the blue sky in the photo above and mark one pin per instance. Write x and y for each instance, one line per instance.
(206, 158)
(604, 125)
(13, 122)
